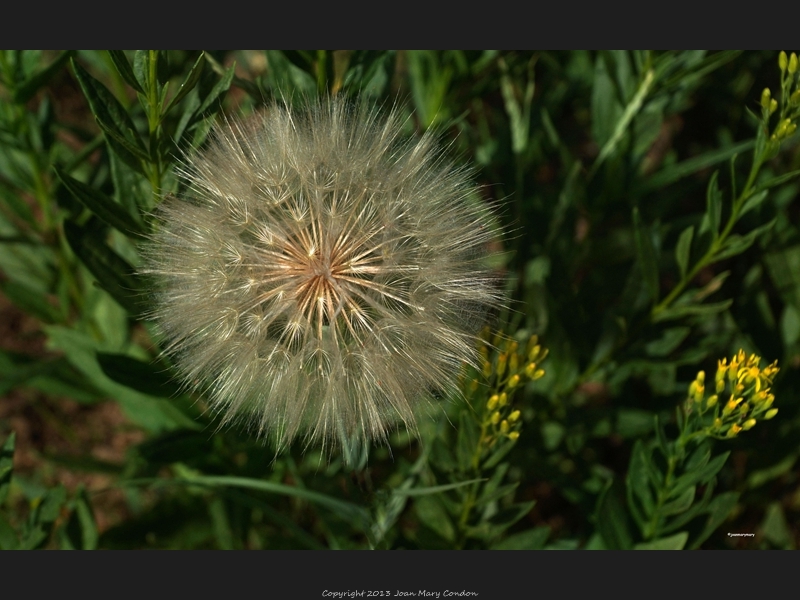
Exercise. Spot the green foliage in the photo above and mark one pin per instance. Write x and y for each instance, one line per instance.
(650, 205)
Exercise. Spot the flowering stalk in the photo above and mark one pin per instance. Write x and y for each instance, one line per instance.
(506, 370)
(704, 415)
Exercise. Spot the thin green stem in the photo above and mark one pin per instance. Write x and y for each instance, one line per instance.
(716, 245)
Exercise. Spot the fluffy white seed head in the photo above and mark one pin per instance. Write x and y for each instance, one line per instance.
(321, 277)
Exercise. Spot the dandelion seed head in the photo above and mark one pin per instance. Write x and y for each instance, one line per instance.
(322, 276)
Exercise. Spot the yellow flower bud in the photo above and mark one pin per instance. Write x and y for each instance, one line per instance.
(487, 369)
(783, 61)
(503, 400)
(795, 97)
(492, 404)
(720, 386)
(701, 377)
(733, 431)
(773, 106)
(748, 424)
(717, 423)
(501, 364)
(534, 353)
(530, 370)
(765, 98)
(538, 375)
(514, 416)
(731, 406)
(495, 418)
(792, 64)
(771, 413)
(513, 382)
(512, 346)
(504, 426)
(711, 401)
(513, 363)
(514, 435)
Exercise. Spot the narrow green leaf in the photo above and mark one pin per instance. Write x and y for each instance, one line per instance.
(736, 244)
(6, 466)
(753, 202)
(113, 273)
(683, 249)
(673, 173)
(673, 542)
(352, 513)
(532, 539)
(714, 204)
(467, 441)
(424, 491)
(612, 522)
(138, 375)
(628, 114)
(110, 114)
(681, 504)
(124, 69)
(778, 180)
(26, 90)
(702, 475)
(646, 256)
(206, 107)
(101, 205)
(189, 83)
(432, 514)
(718, 511)
(704, 310)
(637, 483)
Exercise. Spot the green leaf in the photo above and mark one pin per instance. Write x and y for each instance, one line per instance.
(778, 180)
(189, 83)
(8, 536)
(681, 504)
(81, 529)
(113, 273)
(153, 414)
(702, 310)
(435, 489)
(638, 481)
(431, 513)
(467, 441)
(124, 69)
(31, 301)
(753, 202)
(736, 244)
(673, 173)
(112, 118)
(714, 204)
(26, 90)
(762, 476)
(532, 539)
(668, 342)
(775, 528)
(718, 510)
(646, 255)
(703, 474)
(351, 513)
(6, 466)
(673, 542)
(101, 205)
(138, 375)
(207, 105)
(612, 521)
(683, 249)
(628, 114)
